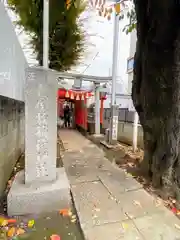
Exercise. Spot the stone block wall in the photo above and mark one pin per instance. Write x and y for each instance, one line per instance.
(125, 134)
(12, 132)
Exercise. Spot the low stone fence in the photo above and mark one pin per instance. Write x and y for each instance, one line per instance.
(125, 126)
(125, 133)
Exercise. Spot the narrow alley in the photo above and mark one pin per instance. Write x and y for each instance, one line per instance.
(111, 204)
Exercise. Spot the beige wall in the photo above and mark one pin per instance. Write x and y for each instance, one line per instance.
(11, 137)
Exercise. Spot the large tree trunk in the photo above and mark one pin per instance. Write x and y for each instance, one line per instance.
(156, 89)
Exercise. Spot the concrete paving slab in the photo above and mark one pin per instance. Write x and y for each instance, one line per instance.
(116, 231)
(97, 151)
(139, 203)
(95, 205)
(99, 163)
(118, 182)
(78, 173)
(69, 159)
(116, 197)
(162, 226)
(93, 161)
(77, 141)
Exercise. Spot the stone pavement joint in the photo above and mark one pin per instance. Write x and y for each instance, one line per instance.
(111, 204)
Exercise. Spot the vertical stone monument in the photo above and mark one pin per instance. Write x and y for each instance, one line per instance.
(41, 187)
(41, 128)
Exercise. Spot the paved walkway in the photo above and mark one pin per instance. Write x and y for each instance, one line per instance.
(110, 203)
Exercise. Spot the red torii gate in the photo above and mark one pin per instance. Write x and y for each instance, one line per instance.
(79, 98)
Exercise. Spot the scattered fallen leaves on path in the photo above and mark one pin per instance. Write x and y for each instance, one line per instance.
(55, 237)
(10, 228)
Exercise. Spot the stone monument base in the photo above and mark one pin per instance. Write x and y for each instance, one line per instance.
(37, 198)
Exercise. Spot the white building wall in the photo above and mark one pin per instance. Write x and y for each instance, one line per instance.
(12, 60)
(123, 101)
(133, 39)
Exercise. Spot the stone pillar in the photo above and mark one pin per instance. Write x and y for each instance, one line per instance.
(40, 127)
(114, 124)
(41, 187)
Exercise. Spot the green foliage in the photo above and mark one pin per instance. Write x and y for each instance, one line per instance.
(132, 21)
(67, 39)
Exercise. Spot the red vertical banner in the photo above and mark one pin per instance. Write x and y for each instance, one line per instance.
(85, 114)
(101, 111)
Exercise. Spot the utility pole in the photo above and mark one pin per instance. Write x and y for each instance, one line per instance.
(46, 34)
(114, 108)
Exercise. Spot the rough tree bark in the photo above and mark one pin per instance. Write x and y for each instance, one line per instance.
(156, 89)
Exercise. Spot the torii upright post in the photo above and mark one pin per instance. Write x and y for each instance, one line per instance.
(97, 109)
(114, 107)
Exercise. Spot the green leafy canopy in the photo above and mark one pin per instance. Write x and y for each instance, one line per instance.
(66, 35)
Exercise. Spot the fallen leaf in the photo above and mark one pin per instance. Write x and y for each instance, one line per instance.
(11, 221)
(137, 203)
(70, 213)
(55, 237)
(174, 210)
(1, 219)
(178, 213)
(4, 223)
(177, 226)
(11, 232)
(97, 209)
(73, 220)
(20, 231)
(158, 202)
(125, 225)
(31, 223)
(64, 212)
(3, 235)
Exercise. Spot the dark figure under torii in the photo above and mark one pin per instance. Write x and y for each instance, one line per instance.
(67, 115)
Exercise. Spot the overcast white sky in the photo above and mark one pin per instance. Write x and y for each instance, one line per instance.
(98, 58)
